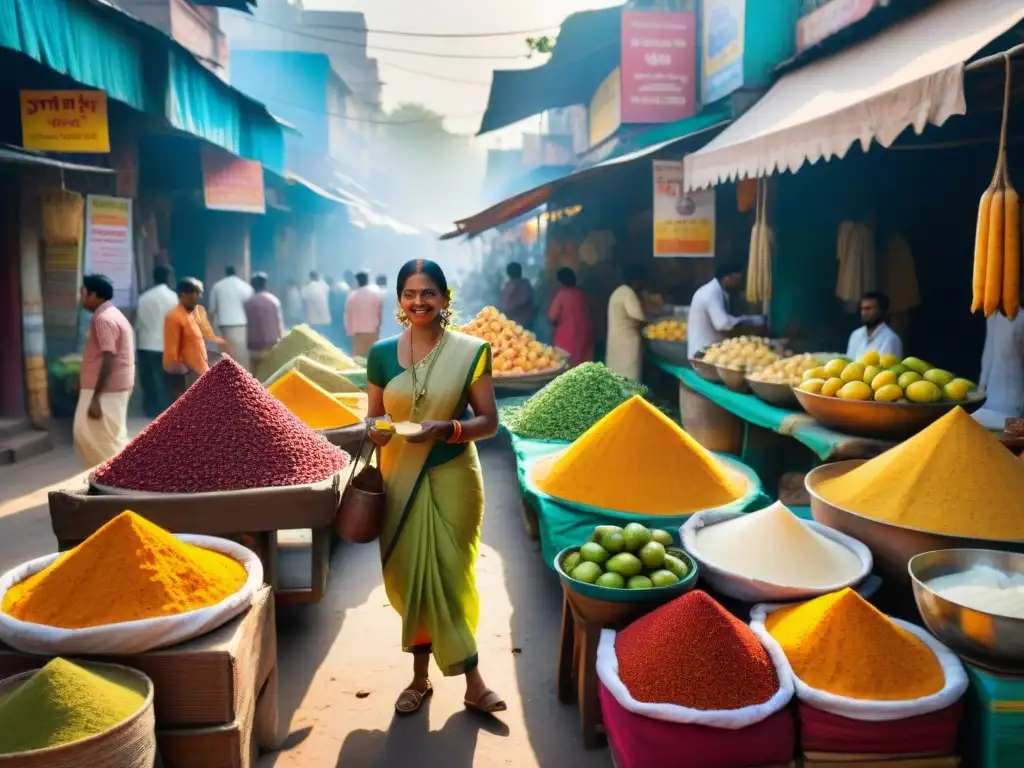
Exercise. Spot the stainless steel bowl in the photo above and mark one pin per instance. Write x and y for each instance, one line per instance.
(892, 546)
(867, 418)
(706, 371)
(985, 639)
(733, 379)
(774, 394)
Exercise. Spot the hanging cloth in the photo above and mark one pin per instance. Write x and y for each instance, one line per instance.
(855, 252)
(899, 275)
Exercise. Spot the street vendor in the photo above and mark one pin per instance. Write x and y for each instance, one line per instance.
(1002, 371)
(625, 321)
(874, 335)
(709, 319)
(186, 331)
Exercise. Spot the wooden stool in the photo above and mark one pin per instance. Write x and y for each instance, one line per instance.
(583, 618)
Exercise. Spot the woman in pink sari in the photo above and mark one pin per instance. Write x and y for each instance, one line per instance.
(570, 315)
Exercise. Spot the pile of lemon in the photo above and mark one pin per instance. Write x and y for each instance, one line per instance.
(670, 329)
(886, 379)
(788, 370)
(514, 350)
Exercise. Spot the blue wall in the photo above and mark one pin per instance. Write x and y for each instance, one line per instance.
(293, 86)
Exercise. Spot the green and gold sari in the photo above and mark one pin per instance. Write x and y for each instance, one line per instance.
(435, 502)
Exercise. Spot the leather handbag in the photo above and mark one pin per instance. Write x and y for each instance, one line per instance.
(360, 517)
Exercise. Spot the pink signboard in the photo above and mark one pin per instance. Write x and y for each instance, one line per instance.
(659, 63)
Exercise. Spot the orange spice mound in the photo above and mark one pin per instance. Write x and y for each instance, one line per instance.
(639, 461)
(130, 569)
(953, 478)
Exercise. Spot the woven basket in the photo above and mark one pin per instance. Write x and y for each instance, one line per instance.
(63, 217)
(131, 744)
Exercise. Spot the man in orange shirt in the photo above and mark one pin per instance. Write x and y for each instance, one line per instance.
(186, 331)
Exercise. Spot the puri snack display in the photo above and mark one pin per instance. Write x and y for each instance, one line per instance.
(515, 351)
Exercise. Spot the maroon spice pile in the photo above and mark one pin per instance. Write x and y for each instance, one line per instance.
(693, 653)
(226, 433)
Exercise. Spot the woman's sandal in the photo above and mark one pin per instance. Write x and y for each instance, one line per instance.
(412, 700)
(488, 704)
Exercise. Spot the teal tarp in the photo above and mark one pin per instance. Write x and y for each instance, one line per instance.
(564, 524)
(753, 409)
(202, 108)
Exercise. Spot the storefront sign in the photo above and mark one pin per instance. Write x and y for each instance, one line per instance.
(108, 243)
(659, 61)
(684, 224)
(723, 35)
(231, 183)
(65, 121)
(606, 108)
(829, 19)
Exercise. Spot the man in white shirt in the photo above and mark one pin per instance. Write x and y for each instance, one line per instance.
(626, 318)
(875, 335)
(227, 313)
(709, 319)
(1002, 371)
(316, 296)
(153, 307)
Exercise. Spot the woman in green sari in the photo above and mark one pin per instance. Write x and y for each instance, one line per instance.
(441, 381)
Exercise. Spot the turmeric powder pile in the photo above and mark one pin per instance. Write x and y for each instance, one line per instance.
(128, 570)
(639, 461)
(841, 644)
(953, 478)
(314, 406)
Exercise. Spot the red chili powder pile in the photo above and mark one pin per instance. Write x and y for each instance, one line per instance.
(226, 433)
(693, 653)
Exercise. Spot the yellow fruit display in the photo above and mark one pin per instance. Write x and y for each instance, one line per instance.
(888, 393)
(835, 367)
(788, 370)
(514, 350)
(853, 372)
(813, 386)
(744, 353)
(832, 386)
(923, 392)
(669, 329)
(886, 379)
(855, 390)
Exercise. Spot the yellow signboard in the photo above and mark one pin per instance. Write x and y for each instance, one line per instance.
(606, 108)
(65, 121)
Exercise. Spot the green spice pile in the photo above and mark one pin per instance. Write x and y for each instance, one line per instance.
(321, 375)
(571, 404)
(304, 341)
(63, 703)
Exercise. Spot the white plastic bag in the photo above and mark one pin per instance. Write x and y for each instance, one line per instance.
(728, 719)
(751, 590)
(130, 636)
(861, 709)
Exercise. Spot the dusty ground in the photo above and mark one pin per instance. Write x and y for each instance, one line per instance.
(349, 643)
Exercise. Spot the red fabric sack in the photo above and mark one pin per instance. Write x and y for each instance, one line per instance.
(640, 742)
(931, 734)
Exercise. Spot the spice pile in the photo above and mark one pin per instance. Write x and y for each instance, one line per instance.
(313, 405)
(128, 570)
(953, 478)
(571, 404)
(515, 351)
(841, 644)
(775, 546)
(691, 652)
(225, 433)
(63, 703)
(320, 374)
(639, 461)
(304, 341)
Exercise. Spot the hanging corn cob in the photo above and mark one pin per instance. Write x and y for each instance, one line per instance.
(759, 265)
(997, 247)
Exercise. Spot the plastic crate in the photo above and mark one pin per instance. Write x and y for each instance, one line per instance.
(995, 732)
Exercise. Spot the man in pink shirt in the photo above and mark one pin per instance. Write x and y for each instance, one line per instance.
(363, 314)
(108, 376)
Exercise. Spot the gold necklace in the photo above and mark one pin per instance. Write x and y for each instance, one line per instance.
(420, 391)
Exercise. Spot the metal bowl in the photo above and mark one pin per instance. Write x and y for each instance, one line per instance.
(675, 352)
(654, 596)
(995, 642)
(780, 395)
(867, 418)
(892, 546)
(706, 371)
(734, 379)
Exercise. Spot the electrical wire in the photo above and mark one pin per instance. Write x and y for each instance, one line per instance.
(433, 75)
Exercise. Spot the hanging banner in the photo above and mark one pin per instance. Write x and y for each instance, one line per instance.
(684, 224)
(109, 247)
(606, 108)
(65, 121)
(830, 18)
(231, 183)
(659, 63)
(723, 36)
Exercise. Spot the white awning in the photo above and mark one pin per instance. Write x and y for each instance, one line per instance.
(908, 75)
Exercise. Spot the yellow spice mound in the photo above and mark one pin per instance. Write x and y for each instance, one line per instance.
(953, 478)
(314, 406)
(774, 545)
(638, 460)
(128, 570)
(841, 644)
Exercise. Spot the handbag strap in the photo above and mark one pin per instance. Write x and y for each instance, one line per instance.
(359, 455)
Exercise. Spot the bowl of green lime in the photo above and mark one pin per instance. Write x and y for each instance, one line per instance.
(635, 564)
